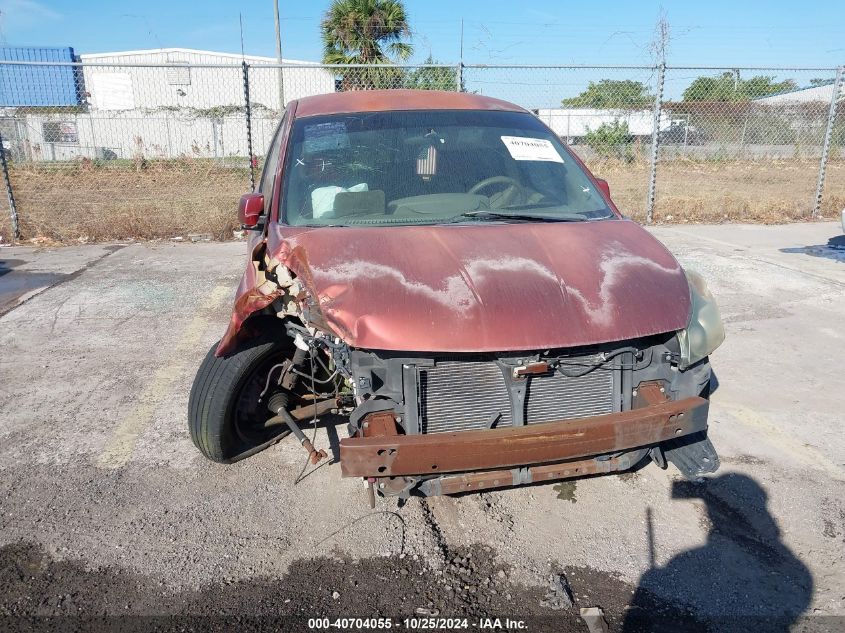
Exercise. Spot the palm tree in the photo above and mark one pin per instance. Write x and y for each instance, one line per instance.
(365, 32)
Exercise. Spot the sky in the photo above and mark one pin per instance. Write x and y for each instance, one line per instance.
(715, 33)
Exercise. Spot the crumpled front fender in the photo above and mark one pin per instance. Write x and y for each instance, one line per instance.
(270, 275)
(255, 292)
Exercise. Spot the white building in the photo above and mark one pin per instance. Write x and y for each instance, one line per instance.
(168, 103)
(572, 124)
(813, 94)
(187, 78)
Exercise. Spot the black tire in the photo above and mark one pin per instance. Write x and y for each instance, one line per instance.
(225, 420)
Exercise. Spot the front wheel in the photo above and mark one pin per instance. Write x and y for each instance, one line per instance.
(225, 419)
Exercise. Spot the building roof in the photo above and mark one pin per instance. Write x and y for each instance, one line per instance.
(822, 92)
(189, 51)
(382, 100)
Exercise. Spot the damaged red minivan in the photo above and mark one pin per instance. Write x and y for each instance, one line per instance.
(441, 270)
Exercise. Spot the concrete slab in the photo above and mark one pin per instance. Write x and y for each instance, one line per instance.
(27, 271)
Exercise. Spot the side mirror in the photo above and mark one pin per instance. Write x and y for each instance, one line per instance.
(250, 208)
(605, 188)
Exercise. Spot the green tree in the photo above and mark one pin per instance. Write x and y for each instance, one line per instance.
(365, 32)
(435, 78)
(611, 140)
(729, 87)
(612, 93)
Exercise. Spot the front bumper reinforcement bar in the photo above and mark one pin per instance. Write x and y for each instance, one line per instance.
(431, 454)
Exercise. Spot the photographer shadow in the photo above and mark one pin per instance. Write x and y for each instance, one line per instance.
(742, 579)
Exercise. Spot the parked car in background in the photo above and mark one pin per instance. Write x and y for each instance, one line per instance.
(680, 133)
(441, 270)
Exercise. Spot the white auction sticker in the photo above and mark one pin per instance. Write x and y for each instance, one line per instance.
(522, 148)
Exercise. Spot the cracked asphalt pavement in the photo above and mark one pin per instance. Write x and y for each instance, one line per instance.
(108, 511)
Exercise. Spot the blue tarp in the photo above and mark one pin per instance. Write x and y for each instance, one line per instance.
(22, 85)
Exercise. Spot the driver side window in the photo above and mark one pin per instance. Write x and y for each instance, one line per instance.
(271, 162)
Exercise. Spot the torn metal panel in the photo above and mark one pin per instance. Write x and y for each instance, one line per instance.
(265, 281)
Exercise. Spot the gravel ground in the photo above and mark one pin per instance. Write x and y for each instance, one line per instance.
(107, 510)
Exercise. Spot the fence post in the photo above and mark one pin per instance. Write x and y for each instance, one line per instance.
(248, 112)
(459, 76)
(655, 142)
(13, 209)
(828, 134)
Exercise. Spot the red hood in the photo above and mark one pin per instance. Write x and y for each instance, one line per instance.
(488, 287)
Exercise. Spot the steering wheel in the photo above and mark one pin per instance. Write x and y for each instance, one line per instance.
(514, 192)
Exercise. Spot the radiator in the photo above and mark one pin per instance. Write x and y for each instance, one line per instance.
(464, 395)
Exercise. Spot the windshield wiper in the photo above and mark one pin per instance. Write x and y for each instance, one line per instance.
(524, 217)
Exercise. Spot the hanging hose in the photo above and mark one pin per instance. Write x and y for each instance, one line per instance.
(289, 373)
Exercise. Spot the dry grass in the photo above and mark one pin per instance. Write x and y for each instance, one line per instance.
(768, 192)
(88, 203)
(99, 204)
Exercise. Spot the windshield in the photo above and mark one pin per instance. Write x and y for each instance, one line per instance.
(432, 167)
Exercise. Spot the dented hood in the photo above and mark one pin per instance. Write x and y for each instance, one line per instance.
(488, 287)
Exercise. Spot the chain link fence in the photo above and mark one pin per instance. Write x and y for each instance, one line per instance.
(743, 144)
(830, 191)
(98, 151)
(146, 151)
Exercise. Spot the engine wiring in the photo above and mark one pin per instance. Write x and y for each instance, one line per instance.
(333, 374)
(603, 358)
(313, 380)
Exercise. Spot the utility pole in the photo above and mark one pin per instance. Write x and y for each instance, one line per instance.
(279, 55)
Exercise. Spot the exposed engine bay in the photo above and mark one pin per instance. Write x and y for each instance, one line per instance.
(439, 395)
